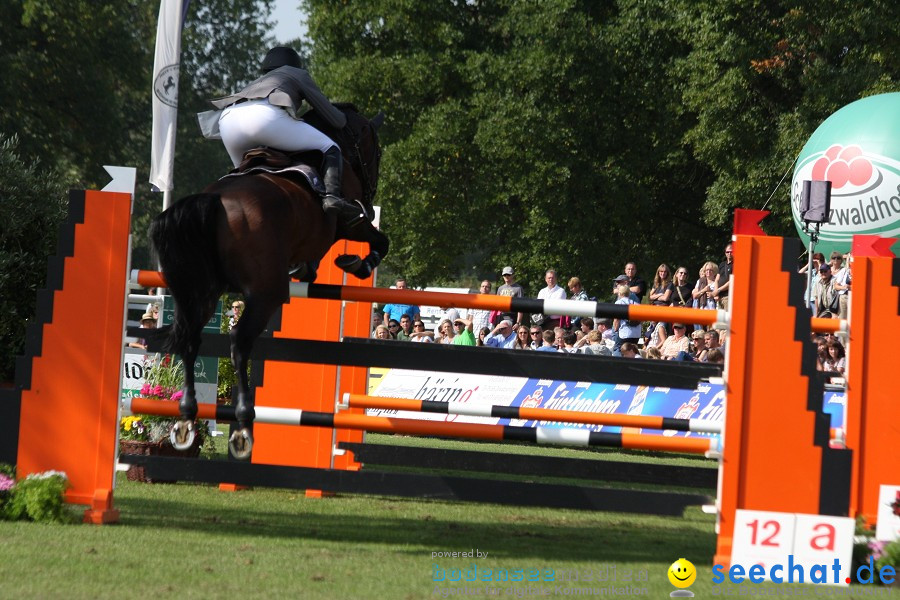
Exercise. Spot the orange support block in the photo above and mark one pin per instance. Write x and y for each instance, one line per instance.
(71, 378)
(777, 455)
(313, 387)
(873, 413)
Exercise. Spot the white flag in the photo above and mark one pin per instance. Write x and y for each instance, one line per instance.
(165, 92)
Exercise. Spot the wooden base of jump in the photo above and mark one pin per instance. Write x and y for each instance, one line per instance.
(411, 485)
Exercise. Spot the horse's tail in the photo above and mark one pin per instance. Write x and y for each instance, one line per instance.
(185, 240)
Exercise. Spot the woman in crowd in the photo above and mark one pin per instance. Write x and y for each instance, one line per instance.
(705, 286)
(445, 332)
(482, 333)
(383, 333)
(420, 334)
(522, 341)
(660, 294)
(835, 357)
(680, 290)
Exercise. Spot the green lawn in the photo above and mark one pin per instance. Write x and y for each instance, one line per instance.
(187, 541)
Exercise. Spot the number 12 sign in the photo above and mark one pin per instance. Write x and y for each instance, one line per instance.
(773, 538)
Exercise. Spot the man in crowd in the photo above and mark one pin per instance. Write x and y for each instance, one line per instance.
(463, 330)
(842, 281)
(637, 285)
(481, 317)
(824, 295)
(396, 311)
(723, 279)
(536, 335)
(551, 292)
(549, 337)
(512, 289)
(405, 329)
(501, 336)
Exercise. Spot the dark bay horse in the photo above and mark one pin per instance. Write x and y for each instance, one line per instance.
(244, 234)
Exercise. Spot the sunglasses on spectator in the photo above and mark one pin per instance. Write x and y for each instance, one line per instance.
(535, 333)
(393, 326)
(419, 325)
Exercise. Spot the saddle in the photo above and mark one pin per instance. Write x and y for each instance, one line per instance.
(269, 160)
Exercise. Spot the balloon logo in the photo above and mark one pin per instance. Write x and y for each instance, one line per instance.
(857, 149)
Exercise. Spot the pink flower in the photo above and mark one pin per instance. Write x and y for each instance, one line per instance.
(145, 389)
(6, 482)
(158, 391)
(877, 549)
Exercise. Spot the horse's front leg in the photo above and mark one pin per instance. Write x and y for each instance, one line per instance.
(183, 432)
(378, 249)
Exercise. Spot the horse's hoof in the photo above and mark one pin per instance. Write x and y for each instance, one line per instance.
(348, 262)
(241, 444)
(182, 435)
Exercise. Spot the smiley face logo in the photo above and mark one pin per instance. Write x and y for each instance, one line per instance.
(682, 573)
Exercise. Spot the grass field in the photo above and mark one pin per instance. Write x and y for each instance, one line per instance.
(187, 541)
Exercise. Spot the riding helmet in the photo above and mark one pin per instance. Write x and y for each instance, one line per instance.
(281, 56)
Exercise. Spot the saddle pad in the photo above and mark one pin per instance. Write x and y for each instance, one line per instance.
(310, 174)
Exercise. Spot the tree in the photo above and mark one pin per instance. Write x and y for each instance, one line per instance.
(32, 206)
(519, 132)
(762, 76)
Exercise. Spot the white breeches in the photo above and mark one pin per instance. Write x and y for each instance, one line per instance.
(258, 123)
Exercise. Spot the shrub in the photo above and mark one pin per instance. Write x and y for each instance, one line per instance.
(32, 205)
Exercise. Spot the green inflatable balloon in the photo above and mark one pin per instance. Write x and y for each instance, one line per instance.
(858, 150)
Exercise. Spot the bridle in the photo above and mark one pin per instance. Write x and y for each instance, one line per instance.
(369, 182)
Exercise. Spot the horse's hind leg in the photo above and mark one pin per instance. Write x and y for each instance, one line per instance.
(251, 324)
(182, 434)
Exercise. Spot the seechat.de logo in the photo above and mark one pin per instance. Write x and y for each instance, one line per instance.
(795, 572)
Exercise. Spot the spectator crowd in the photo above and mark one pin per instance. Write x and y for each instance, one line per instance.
(708, 288)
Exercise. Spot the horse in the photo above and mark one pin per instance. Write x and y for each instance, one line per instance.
(245, 234)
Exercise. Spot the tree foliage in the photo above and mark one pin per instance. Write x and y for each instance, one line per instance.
(76, 92)
(32, 206)
(579, 135)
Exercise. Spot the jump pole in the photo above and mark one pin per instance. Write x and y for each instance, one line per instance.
(537, 435)
(572, 308)
(531, 414)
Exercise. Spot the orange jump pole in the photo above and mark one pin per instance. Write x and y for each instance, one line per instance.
(872, 408)
(776, 454)
(574, 308)
(531, 414)
(70, 378)
(358, 422)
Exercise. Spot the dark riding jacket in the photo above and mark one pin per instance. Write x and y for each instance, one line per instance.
(288, 87)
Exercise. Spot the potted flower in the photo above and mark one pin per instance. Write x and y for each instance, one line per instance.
(149, 434)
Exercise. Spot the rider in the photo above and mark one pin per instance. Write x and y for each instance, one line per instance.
(269, 112)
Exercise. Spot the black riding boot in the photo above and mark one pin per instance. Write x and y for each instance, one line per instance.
(348, 213)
